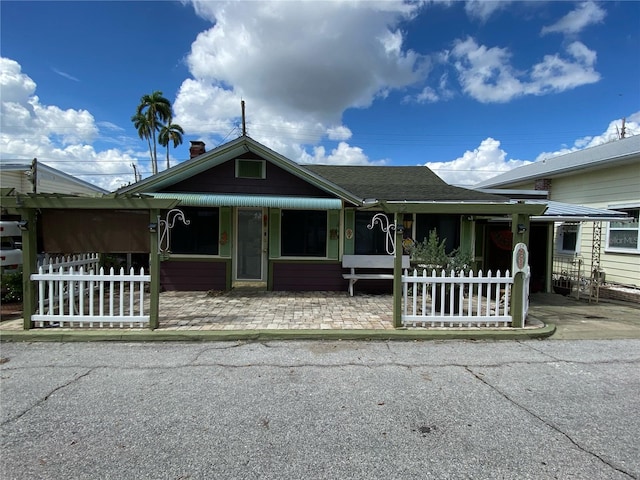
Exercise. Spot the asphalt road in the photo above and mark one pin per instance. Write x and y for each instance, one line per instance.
(538, 409)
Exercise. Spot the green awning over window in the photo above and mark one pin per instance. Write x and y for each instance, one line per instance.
(270, 201)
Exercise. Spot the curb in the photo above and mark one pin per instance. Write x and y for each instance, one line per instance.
(401, 334)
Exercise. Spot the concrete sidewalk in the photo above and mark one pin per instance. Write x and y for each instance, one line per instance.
(581, 320)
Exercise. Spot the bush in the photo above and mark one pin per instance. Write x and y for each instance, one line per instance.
(431, 254)
(12, 286)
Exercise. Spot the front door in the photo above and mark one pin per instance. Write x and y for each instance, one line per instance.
(250, 254)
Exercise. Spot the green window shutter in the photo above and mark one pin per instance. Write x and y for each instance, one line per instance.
(226, 232)
(349, 226)
(274, 233)
(333, 246)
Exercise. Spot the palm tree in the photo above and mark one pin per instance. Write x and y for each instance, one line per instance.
(157, 110)
(171, 132)
(144, 130)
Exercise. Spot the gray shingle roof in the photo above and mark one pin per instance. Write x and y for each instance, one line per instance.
(418, 184)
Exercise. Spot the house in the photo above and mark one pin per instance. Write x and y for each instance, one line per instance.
(249, 214)
(585, 191)
(38, 177)
(242, 213)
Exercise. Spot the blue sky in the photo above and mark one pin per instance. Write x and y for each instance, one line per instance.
(470, 89)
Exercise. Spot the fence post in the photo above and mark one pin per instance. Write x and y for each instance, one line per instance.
(154, 271)
(520, 263)
(29, 261)
(397, 275)
(517, 300)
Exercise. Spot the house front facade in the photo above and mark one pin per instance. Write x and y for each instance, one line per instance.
(246, 214)
(605, 177)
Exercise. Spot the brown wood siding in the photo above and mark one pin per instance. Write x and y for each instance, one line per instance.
(308, 277)
(197, 276)
(222, 179)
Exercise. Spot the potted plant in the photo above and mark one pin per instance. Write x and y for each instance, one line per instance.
(431, 254)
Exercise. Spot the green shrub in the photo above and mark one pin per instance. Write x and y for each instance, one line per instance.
(12, 286)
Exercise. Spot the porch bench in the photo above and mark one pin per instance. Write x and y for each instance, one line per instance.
(365, 264)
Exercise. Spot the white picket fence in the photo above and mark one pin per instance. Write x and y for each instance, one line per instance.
(73, 297)
(477, 300)
(88, 261)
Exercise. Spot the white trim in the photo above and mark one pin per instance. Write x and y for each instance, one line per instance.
(616, 250)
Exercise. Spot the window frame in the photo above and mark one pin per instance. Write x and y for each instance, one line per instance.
(560, 233)
(263, 168)
(634, 210)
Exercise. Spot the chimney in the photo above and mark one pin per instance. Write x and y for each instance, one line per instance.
(196, 148)
(543, 184)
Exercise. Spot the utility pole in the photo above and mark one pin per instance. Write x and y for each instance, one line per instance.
(136, 177)
(623, 131)
(244, 125)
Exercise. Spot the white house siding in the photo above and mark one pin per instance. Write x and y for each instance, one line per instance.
(48, 180)
(16, 180)
(602, 189)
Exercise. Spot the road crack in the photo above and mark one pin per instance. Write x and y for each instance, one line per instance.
(47, 397)
(481, 378)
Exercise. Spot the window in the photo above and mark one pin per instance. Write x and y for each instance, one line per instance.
(200, 236)
(303, 233)
(447, 227)
(567, 237)
(369, 241)
(623, 235)
(250, 169)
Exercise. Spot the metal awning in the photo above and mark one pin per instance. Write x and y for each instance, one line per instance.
(269, 201)
(568, 212)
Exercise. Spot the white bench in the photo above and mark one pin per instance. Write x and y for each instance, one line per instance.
(369, 262)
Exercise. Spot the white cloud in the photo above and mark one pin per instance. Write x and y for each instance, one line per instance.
(612, 133)
(486, 74)
(484, 162)
(339, 132)
(298, 69)
(344, 154)
(65, 75)
(483, 9)
(60, 138)
(489, 160)
(587, 13)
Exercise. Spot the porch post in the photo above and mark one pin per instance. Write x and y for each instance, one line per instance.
(29, 262)
(397, 274)
(520, 230)
(154, 271)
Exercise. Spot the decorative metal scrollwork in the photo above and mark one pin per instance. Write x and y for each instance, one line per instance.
(165, 226)
(388, 229)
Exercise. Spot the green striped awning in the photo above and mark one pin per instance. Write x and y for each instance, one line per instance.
(271, 201)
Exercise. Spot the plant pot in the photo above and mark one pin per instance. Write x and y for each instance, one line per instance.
(455, 291)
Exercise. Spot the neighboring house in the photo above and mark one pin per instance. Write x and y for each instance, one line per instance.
(36, 177)
(256, 216)
(606, 178)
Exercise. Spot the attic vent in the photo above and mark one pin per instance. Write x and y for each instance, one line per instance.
(250, 168)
